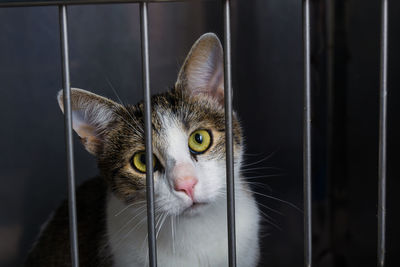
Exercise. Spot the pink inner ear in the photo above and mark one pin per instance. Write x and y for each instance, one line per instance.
(217, 80)
(203, 70)
(83, 129)
(206, 74)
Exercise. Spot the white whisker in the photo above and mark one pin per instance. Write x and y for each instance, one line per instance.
(263, 176)
(128, 206)
(277, 199)
(259, 161)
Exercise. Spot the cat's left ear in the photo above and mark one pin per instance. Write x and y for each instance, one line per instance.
(203, 70)
(91, 116)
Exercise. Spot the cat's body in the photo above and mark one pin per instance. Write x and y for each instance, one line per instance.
(197, 241)
(189, 176)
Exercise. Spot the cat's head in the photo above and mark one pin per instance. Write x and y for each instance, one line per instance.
(188, 136)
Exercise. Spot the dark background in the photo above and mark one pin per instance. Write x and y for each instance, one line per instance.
(268, 84)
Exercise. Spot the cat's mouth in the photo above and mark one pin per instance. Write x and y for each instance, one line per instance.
(197, 204)
(195, 208)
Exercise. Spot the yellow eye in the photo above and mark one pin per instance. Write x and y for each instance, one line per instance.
(139, 161)
(199, 141)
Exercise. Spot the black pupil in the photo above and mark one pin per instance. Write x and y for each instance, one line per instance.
(199, 138)
(143, 158)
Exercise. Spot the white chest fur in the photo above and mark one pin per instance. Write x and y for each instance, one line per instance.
(199, 240)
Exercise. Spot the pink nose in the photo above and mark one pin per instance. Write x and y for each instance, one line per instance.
(186, 185)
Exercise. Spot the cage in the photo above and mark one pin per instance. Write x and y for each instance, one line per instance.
(342, 42)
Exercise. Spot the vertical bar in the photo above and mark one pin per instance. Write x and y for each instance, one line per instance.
(148, 135)
(73, 229)
(229, 137)
(330, 85)
(382, 136)
(307, 134)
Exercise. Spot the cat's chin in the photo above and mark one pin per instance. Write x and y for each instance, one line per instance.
(195, 209)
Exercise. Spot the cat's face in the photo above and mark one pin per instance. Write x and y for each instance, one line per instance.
(188, 136)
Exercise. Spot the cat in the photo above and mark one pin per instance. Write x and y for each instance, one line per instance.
(189, 177)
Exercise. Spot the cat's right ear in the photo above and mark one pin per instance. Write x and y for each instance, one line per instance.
(91, 114)
(203, 70)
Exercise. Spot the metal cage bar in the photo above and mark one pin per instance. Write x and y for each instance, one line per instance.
(148, 135)
(21, 3)
(307, 135)
(382, 135)
(73, 228)
(230, 185)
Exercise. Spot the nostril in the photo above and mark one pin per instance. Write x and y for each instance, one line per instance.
(185, 185)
